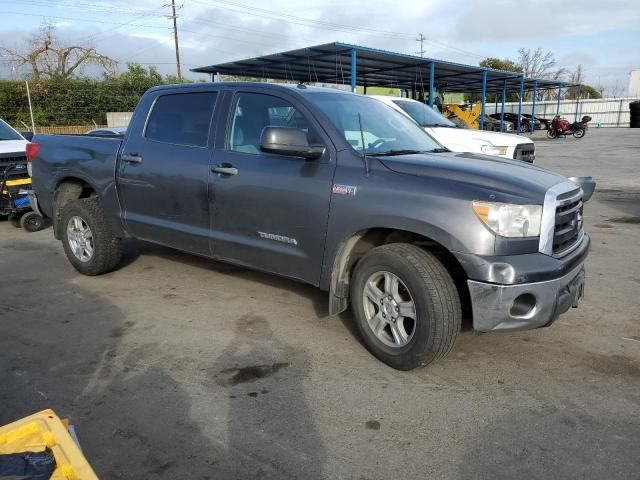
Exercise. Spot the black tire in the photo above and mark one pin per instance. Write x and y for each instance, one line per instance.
(32, 222)
(436, 299)
(579, 133)
(15, 221)
(107, 249)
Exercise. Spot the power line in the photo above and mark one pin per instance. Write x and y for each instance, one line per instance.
(81, 19)
(293, 19)
(83, 6)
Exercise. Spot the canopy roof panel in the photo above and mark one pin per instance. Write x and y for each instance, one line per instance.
(331, 63)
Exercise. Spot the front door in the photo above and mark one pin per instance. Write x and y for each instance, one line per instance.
(164, 168)
(270, 211)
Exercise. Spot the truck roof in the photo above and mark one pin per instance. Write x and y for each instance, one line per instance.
(299, 88)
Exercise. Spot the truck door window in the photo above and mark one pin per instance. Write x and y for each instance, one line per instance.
(181, 118)
(251, 112)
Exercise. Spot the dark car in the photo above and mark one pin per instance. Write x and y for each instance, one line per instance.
(540, 123)
(334, 189)
(107, 131)
(493, 125)
(513, 117)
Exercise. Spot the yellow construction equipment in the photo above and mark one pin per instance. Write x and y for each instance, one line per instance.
(467, 113)
(45, 430)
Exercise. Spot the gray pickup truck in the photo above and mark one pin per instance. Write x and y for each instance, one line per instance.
(333, 189)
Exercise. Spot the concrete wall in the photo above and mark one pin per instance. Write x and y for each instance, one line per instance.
(605, 112)
(118, 119)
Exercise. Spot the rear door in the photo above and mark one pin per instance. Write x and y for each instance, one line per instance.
(269, 211)
(164, 167)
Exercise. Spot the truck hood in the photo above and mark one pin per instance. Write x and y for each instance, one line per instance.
(13, 146)
(499, 176)
(465, 136)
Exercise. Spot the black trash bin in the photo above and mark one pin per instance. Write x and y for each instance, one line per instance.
(634, 114)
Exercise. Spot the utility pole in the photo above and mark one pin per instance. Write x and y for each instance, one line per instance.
(175, 37)
(421, 38)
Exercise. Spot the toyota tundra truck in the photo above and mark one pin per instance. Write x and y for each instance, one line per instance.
(329, 188)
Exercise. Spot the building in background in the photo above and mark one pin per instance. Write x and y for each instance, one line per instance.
(634, 83)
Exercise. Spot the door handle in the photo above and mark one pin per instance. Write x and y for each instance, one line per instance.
(225, 170)
(131, 158)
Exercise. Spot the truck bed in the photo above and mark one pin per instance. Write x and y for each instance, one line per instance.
(90, 159)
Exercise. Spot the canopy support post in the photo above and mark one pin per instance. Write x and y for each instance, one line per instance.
(520, 104)
(532, 123)
(353, 70)
(484, 98)
(432, 75)
(504, 94)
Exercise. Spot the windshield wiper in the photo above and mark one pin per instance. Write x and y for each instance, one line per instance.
(439, 150)
(391, 153)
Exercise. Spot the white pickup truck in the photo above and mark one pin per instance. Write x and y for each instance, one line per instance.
(11, 142)
(456, 139)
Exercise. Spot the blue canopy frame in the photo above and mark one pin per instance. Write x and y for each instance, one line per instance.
(342, 63)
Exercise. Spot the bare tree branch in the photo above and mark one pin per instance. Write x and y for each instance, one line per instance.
(46, 58)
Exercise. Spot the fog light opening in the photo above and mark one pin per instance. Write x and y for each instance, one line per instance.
(523, 305)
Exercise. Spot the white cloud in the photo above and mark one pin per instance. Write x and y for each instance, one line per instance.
(456, 31)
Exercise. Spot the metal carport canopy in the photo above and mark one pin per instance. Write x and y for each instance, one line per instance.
(334, 62)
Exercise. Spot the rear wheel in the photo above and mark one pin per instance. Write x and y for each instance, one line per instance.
(406, 305)
(32, 222)
(87, 239)
(579, 133)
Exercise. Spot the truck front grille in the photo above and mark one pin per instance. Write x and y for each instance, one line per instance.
(568, 222)
(13, 159)
(525, 152)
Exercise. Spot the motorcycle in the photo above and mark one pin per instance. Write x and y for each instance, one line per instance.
(561, 127)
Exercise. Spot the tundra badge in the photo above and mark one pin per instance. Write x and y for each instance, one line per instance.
(343, 189)
(278, 238)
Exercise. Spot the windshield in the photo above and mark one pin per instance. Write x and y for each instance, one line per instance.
(8, 133)
(423, 114)
(385, 130)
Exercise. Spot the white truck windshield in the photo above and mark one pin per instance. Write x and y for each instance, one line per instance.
(423, 114)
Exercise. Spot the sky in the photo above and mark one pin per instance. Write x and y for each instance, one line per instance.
(602, 36)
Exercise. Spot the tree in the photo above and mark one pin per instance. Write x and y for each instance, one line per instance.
(586, 91)
(48, 58)
(498, 64)
(537, 63)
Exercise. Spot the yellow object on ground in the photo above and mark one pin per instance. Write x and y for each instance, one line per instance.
(17, 183)
(469, 114)
(41, 430)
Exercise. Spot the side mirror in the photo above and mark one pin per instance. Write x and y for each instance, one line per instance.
(289, 141)
(28, 136)
(587, 184)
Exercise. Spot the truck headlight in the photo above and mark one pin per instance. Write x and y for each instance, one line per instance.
(489, 149)
(510, 220)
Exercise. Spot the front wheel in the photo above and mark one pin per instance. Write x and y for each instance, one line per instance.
(579, 133)
(87, 239)
(406, 305)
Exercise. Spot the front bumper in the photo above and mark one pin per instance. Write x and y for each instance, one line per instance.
(524, 306)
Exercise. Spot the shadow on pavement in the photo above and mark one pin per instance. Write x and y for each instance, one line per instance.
(61, 347)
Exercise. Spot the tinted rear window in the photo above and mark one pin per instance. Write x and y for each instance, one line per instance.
(182, 118)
